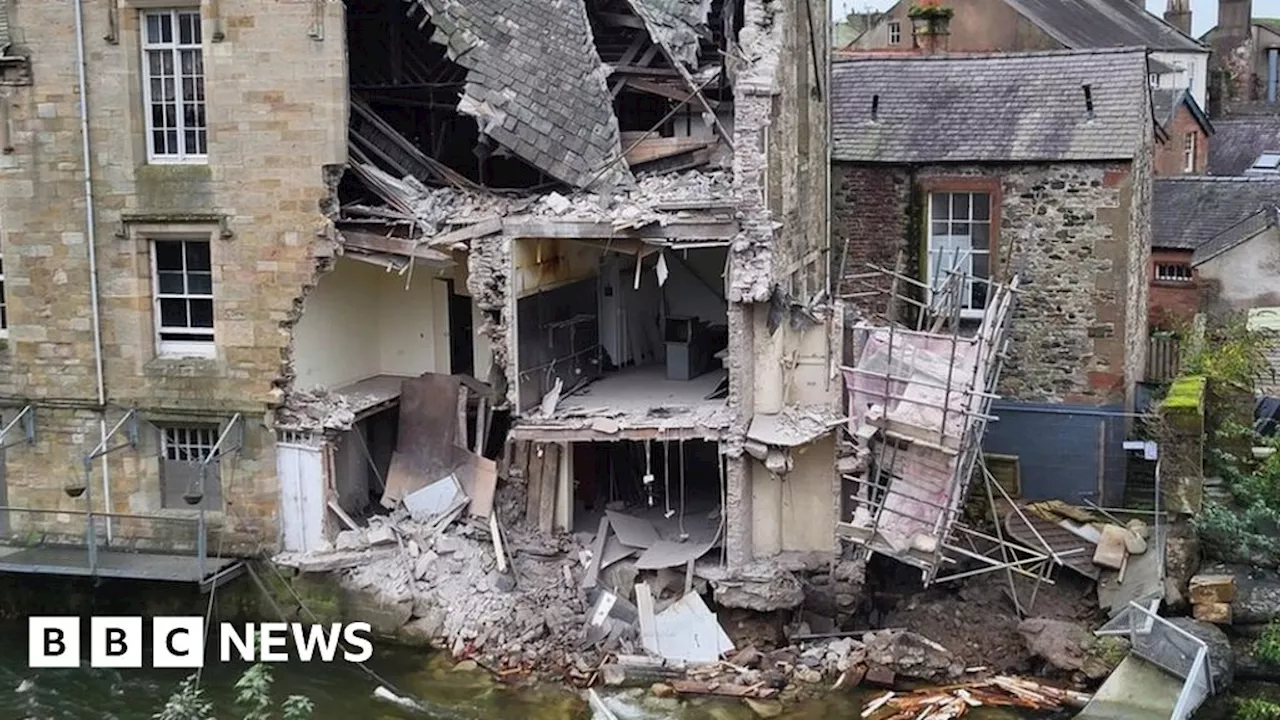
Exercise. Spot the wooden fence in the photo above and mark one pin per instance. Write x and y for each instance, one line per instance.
(1162, 358)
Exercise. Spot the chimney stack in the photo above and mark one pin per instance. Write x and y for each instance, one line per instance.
(1178, 14)
(1235, 17)
(930, 25)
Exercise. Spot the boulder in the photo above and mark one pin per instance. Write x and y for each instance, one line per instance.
(1071, 647)
(1221, 657)
(911, 655)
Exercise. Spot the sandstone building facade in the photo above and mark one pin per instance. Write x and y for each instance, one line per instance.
(290, 208)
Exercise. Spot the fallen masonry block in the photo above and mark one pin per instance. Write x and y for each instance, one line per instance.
(1207, 589)
(1216, 613)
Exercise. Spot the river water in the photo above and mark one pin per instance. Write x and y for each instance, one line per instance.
(345, 692)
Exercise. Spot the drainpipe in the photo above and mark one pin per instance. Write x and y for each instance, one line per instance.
(91, 240)
(1273, 60)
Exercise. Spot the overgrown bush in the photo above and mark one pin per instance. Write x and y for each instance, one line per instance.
(253, 698)
(1267, 647)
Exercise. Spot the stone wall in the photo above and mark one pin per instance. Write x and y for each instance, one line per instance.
(259, 198)
(1071, 232)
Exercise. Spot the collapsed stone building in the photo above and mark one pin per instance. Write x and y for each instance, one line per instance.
(234, 230)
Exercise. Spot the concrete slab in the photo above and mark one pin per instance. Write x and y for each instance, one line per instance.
(1143, 579)
(1137, 690)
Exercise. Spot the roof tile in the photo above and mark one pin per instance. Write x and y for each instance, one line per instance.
(993, 108)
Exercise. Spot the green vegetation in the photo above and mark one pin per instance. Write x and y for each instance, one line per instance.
(253, 699)
(1267, 647)
(1257, 709)
(1224, 363)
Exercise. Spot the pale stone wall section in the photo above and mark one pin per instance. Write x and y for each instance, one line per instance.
(277, 105)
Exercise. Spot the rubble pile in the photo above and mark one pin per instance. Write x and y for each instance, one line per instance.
(433, 209)
(314, 409)
(453, 595)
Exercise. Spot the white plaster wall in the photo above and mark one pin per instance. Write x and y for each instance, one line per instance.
(362, 321)
(1196, 75)
(1247, 275)
(794, 513)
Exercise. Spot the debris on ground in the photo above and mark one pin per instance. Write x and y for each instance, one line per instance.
(954, 701)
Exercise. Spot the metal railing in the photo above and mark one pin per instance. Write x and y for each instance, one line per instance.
(1169, 647)
(85, 531)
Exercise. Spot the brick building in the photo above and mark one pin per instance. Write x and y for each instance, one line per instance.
(1186, 140)
(1198, 220)
(255, 264)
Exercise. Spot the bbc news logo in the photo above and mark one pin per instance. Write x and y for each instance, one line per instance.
(179, 642)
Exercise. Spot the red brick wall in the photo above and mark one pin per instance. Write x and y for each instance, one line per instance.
(1169, 158)
(870, 216)
(1171, 305)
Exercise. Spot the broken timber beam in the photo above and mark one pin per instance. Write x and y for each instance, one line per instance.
(651, 149)
(675, 230)
(373, 242)
(670, 92)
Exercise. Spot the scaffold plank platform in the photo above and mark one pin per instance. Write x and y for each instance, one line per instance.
(74, 561)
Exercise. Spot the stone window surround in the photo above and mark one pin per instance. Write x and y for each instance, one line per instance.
(141, 8)
(144, 234)
(895, 32)
(929, 184)
(1189, 152)
(160, 419)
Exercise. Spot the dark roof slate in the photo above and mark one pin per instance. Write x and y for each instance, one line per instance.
(1084, 24)
(535, 83)
(677, 25)
(1020, 107)
(1237, 234)
(1187, 212)
(1238, 141)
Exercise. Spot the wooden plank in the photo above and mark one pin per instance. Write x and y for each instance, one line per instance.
(671, 92)
(648, 627)
(657, 148)
(550, 478)
(373, 242)
(592, 576)
(620, 20)
(343, 516)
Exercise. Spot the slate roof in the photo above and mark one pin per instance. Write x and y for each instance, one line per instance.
(1165, 102)
(1084, 24)
(676, 25)
(1187, 212)
(1236, 234)
(1238, 141)
(535, 83)
(1003, 107)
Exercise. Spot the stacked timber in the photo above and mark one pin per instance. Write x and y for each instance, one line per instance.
(954, 701)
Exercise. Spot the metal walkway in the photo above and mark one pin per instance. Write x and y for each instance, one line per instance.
(125, 547)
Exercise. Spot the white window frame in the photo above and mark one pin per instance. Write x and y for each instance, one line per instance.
(1162, 274)
(964, 262)
(1189, 152)
(197, 346)
(895, 32)
(175, 50)
(1153, 79)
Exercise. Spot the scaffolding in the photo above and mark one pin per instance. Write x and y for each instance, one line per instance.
(922, 365)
